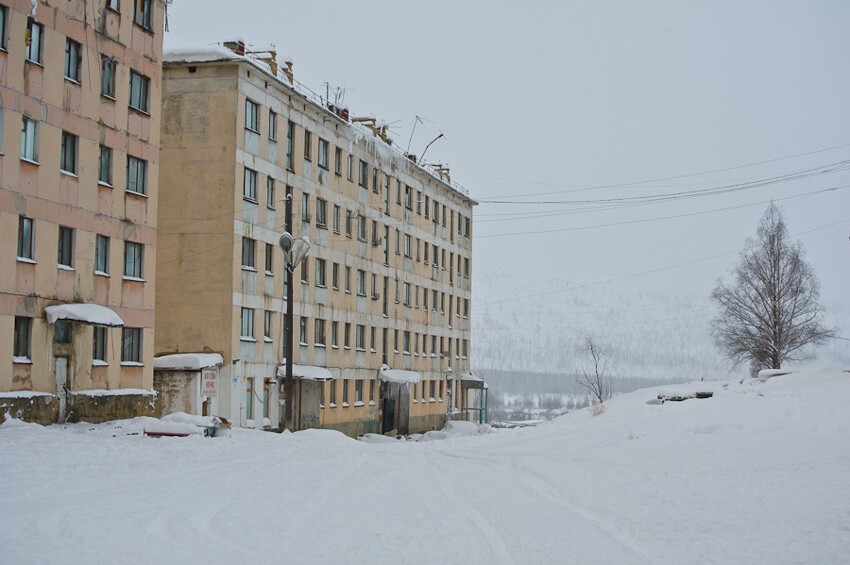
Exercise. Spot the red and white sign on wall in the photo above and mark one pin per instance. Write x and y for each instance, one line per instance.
(208, 386)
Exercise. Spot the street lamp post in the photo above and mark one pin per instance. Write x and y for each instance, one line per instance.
(294, 251)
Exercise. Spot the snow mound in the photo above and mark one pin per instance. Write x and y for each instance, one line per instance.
(378, 438)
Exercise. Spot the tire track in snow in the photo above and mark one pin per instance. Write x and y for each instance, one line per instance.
(545, 490)
(500, 551)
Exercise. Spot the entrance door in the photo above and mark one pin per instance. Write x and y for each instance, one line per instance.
(389, 415)
(62, 385)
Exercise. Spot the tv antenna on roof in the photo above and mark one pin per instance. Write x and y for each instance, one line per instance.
(416, 120)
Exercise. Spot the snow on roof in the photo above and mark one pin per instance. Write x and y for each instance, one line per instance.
(199, 54)
(87, 313)
(308, 372)
(115, 392)
(187, 361)
(398, 375)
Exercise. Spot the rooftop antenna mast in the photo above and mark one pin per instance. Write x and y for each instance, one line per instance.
(422, 157)
(416, 120)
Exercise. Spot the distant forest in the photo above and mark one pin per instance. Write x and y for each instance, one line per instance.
(529, 382)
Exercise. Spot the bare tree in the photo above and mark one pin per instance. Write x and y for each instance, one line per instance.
(593, 375)
(770, 311)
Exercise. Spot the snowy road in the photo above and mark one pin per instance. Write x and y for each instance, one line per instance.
(757, 474)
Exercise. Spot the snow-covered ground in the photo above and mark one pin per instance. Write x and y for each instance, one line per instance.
(756, 474)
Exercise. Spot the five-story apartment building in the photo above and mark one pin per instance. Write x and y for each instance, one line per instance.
(79, 137)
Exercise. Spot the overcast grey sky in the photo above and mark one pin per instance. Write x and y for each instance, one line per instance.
(556, 97)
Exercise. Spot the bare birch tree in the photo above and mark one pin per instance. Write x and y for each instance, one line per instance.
(769, 311)
(593, 374)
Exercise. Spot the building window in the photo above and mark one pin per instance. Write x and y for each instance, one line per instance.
(408, 246)
(407, 294)
(408, 198)
(338, 161)
(270, 193)
(246, 330)
(267, 325)
(305, 265)
(373, 332)
(143, 14)
(104, 166)
(107, 77)
(26, 238)
(374, 286)
(308, 146)
(332, 386)
(363, 176)
(335, 276)
(62, 331)
(321, 213)
(290, 141)
(140, 92)
(249, 185)
(272, 126)
(305, 207)
(405, 343)
(252, 118)
(269, 259)
(346, 336)
(68, 155)
(99, 344)
(34, 41)
(319, 332)
(66, 247)
(336, 219)
(302, 331)
(347, 279)
(4, 19)
(73, 60)
(249, 257)
(348, 223)
(361, 282)
(350, 167)
(335, 334)
(360, 337)
(249, 398)
(134, 254)
(358, 390)
(22, 348)
(137, 175)
(345, 392)
(101, 255)
(361, 227)
(113, 5)
(323, 153)
(131, 345)
(321, 273)
(29, 140)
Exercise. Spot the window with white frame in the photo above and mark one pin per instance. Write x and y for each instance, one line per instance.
(249, 254)
(137, 175)
(363, 176)
(101, 255)
(34, 41)
(360, 337)
(68, 153)
(104, 165)
(26, 238)
(321, 273)
(134, 260)
(131, 345)
(143, 14)
(73, 60)
(321, 213)
(308, 146)
(334, 334)
(270, 189)
(272, 125)
(140, 92)
(252, 115)
(246, 330)
(249, 185)
(107, 76)
(268, 324)
(29, 139)
(361, 282)
(336, 219)
(22, 347)
(335, 276)
(65, 255)
(319, 332)
(323, 153)
(302, 330)
(99, 344)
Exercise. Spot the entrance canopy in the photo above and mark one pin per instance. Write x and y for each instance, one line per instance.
(398, 375)
(306, 372)
(86, 313)
(468, 380)
(187, 361)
